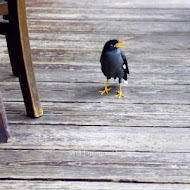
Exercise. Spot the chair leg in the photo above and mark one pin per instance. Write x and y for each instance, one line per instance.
(4, 130)
(20, 54)
(12, 53)
(11, 46)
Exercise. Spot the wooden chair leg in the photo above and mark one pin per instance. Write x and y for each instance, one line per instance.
(11, 49)
(20, 54)
(4, 130)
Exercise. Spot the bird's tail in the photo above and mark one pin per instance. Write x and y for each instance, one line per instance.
(125, 77)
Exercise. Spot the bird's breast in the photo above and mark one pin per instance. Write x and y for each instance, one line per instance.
(112, 63)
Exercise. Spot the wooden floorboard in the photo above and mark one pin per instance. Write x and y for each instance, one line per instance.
(98, 113)
(87, 165)
(88, 141)
(38, 185)
(96, 138)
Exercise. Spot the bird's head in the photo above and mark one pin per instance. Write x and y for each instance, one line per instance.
(113, 44)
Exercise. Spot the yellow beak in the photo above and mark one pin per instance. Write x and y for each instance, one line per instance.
(118, 44)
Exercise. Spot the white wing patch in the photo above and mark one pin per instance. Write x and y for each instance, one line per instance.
(125, 82)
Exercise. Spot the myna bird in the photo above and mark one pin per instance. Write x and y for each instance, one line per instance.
(114, 64)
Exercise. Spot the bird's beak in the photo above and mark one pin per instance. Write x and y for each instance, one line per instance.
(118, 44)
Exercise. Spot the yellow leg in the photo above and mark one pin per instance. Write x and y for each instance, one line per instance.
(106, 90)
(119, 93)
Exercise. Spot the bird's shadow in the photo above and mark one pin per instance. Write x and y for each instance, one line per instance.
(92, 93)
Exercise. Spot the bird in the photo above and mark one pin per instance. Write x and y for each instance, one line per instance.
(114, 64)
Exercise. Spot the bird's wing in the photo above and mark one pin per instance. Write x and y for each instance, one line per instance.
(125, 62)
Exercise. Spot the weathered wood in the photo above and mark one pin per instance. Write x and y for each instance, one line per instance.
(88, 92)
(30, 185)
(101, 27)
(94, 113)
(94, 43)
(3, 7)
(38, 185)
(82, 136)
(69, 56)
(112, 4)
(116, 166)
(104, 138)
(140, 74)
(170, 49)
(111, 14)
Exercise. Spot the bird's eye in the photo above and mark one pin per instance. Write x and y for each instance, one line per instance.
(111, 45)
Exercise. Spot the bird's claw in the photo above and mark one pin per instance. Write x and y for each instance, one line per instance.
(105, 91)
(119, 95)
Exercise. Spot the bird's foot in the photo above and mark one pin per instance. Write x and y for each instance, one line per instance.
(119, 95)
(105, 91)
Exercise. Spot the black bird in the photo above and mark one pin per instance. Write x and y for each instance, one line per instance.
(114, 64)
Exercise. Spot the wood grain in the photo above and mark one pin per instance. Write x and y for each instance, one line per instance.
(88, 141)
(111, 3)
(104, 138)
(141, 74)
(101, 114)
(111, 14)
(88, 92)
(3, 7)
(38, 185)
(115, 166)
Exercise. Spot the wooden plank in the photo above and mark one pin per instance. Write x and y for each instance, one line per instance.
(93, 43)
(88, 92)
(95, 69)
(92, 40)
(112, 14)
(105, 138)
(112, 4)
(102, 27)
(67, 56)
(3, 7)
(141, 49)
(153, 43)
(105, 113)
(95, 46)
(134, 78)
(140, 74)
(38, 185)
(171, 53)
(116, 166)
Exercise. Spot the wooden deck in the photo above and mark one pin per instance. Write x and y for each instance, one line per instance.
(89, 141)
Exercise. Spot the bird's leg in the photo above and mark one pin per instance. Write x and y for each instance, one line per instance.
(106, 90)
(119, 93)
